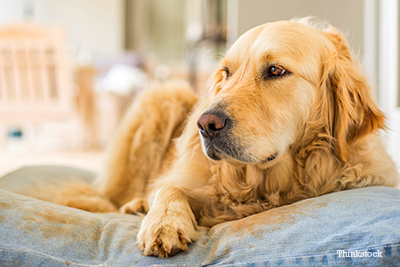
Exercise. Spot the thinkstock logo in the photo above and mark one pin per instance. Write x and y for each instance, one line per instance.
(356, 253)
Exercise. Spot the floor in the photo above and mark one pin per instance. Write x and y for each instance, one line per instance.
(46, 144)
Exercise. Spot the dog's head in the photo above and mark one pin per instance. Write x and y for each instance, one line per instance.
(277, 81)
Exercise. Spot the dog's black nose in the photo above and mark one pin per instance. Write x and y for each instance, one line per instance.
(211, 123)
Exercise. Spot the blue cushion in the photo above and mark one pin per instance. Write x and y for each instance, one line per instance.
(307, 233)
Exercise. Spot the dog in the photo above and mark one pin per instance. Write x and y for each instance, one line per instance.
(288, 116)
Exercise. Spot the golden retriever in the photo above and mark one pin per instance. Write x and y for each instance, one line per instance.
(289, 115)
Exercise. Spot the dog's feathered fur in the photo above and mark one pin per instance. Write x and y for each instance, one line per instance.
(320, 120)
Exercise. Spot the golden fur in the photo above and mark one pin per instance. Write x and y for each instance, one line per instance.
(319, 120)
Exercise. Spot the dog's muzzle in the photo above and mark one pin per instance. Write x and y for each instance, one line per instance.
(214, 127)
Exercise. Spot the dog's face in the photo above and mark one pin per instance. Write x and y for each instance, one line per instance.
(268, 87)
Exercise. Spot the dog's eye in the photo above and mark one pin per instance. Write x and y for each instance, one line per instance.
(275, 71)
(225, 73)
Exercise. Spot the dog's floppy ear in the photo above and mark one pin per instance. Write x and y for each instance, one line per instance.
(353, 113)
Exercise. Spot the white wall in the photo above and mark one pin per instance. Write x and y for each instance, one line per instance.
(347, 15)
(96, 26)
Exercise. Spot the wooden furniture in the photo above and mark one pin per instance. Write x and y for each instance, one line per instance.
(85, 101)
(35, 77)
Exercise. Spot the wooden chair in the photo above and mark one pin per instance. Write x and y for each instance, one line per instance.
(35, 77)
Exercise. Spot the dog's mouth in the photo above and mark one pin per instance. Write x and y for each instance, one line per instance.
(218, 149)
(225, 151)
(213, 153)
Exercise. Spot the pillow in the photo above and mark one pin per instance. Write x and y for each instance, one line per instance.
(333, 230)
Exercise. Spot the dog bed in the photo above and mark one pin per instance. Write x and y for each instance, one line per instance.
(358, 227)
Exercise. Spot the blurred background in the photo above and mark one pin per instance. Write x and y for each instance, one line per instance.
(70, 68)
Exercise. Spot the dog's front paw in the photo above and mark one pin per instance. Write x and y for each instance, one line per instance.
(165, 235)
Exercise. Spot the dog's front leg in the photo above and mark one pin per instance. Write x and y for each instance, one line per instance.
(170, 224)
